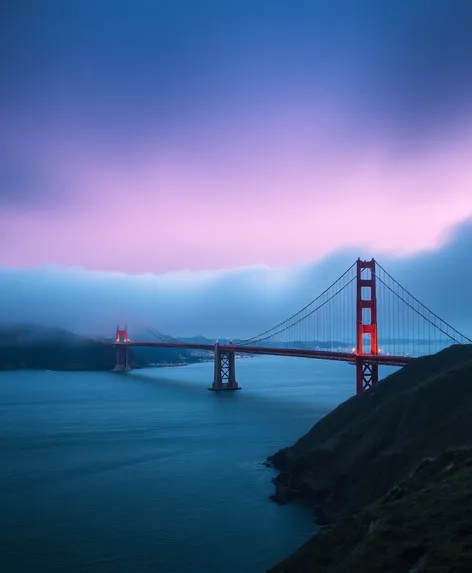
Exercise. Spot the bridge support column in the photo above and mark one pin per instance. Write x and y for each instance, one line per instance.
(367, 371)
(122, 359)
(122, 351)
(367, 374)
(225, 370)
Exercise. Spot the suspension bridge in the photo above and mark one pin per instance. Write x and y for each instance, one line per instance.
(365, 318)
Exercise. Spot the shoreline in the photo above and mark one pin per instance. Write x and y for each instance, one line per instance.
(82, 369)
(290, 490)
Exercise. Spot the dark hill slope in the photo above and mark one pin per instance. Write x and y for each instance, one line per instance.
(422, 526)
(354, 455)
(33, 346)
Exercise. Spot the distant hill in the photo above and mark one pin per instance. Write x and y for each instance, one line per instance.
(31, 346)
(200, 339)
(354, 469)
(23, 334)
(145, 356)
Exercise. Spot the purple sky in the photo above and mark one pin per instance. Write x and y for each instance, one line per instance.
(148, 137)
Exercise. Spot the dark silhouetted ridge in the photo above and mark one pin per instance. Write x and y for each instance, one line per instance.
(351, 459)
(30, 346)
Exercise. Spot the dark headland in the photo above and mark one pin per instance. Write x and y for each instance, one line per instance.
(389, 475)
(36, 347)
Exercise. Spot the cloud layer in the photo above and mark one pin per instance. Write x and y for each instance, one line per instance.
(234, 303)
(157, 136)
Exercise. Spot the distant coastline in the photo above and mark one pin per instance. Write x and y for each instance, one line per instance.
(34, 347)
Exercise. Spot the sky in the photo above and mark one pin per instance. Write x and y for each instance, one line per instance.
(158, 155)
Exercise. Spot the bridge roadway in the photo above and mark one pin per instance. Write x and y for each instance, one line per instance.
(382, 359)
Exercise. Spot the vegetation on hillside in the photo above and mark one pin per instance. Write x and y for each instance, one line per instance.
(350, 465)
(424, 524)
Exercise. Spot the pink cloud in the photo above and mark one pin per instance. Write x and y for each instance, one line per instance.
(271, 198)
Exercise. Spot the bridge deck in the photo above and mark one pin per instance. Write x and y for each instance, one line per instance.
(382, 359)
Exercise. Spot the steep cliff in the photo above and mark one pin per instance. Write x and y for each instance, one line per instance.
(423, 524)
(354, 456)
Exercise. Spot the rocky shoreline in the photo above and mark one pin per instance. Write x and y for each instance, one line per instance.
(289, 490)
(353, 458)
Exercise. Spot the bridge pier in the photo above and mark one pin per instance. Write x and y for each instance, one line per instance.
(367, 374)
(225, 370)
(122, 359)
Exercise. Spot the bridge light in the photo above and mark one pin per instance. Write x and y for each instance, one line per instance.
(353, 350)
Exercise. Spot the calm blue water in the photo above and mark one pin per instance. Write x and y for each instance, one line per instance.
(148, 471)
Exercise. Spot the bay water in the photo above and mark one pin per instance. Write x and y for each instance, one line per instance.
(148, 471)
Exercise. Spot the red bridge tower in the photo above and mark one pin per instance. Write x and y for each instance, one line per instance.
(367, 370)
(122, 351)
